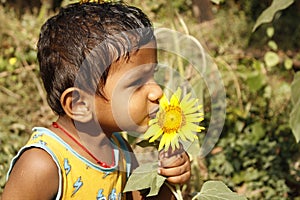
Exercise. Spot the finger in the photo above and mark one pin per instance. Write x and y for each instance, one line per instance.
(174, 161)
(175, 171)
(181, 179)
(171, 152)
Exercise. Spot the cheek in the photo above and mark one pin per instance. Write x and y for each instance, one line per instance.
(130, 110)
(121, 109)
(137, 107)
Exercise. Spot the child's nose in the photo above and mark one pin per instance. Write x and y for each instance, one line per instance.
(155, 92)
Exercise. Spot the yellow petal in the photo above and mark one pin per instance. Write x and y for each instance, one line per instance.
(192, 127)
(193, 119)
(163, 102)
(197, 115)
(181, 135)
(190, 110)
(188, 104)
(175, 99)
(164, 141)
(186, 98)
(174, 143)
(168, 142)
(178, 93)
(189, 135)
(152, 130)
(152, 121)
(157, 135)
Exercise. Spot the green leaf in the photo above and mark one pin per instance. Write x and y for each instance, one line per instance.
(217, 1)
(272, 44)
(144, 177)
(257, 133)
(270, 32)
(268, 14)
(295, 113)
(271, 59)
(255, 81)
(217, 190)
(288, 63)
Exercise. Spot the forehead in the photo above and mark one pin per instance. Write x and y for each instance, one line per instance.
(143, 59)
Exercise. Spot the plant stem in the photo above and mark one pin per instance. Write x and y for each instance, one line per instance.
(172, 190)
(177, 194)
(178, 191)
(196, 196)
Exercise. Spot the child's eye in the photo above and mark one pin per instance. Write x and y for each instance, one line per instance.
(137, 82)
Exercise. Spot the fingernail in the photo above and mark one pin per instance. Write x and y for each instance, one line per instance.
(166, 155)
(158, 171)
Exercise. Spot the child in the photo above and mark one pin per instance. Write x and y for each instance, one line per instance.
(97, 63)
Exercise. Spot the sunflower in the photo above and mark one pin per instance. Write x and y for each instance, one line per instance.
(175, 120)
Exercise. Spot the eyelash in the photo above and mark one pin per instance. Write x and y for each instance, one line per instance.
(144, 79)
(137, 82)
(141, 81)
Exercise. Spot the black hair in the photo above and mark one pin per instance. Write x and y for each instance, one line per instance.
(78, 45)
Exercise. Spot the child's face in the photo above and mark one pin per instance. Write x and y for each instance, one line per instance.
(131, 91)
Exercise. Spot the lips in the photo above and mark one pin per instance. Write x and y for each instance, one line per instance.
(152, 113)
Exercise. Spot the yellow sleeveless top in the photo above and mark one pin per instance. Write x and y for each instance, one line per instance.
(79, 178)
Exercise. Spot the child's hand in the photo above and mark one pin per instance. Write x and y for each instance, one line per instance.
(175, 166)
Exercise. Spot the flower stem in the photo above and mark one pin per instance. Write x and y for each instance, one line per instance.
(178, 191)
(172, 190)
(196, 196)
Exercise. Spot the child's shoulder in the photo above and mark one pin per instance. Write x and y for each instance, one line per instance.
(36, 161)
(34, 167)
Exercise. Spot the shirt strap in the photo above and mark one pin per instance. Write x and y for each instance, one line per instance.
(126, 151)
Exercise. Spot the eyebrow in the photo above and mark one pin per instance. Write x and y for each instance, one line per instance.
(146, 68)
(142, 71)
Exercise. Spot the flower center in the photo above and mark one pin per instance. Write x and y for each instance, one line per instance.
(171, 119)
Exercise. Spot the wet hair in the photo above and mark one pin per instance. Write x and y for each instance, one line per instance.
(77, 46)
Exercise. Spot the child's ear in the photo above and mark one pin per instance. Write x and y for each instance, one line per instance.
(77, 104)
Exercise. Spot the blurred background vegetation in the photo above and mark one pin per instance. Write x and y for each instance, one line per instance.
(257, 154)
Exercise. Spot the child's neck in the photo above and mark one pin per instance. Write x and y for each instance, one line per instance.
(90, 136)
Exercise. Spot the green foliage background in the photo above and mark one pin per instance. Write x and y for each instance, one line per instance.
(257, 154)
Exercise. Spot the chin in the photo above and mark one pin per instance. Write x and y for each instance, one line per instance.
(140, 129)
(135, 127)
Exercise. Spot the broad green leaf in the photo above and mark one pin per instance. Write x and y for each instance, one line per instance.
(217, 190)
(271, 59)
(268, 14)
(144, 177)
(295, 113)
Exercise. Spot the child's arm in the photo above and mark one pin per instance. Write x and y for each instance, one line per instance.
(34, 176)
